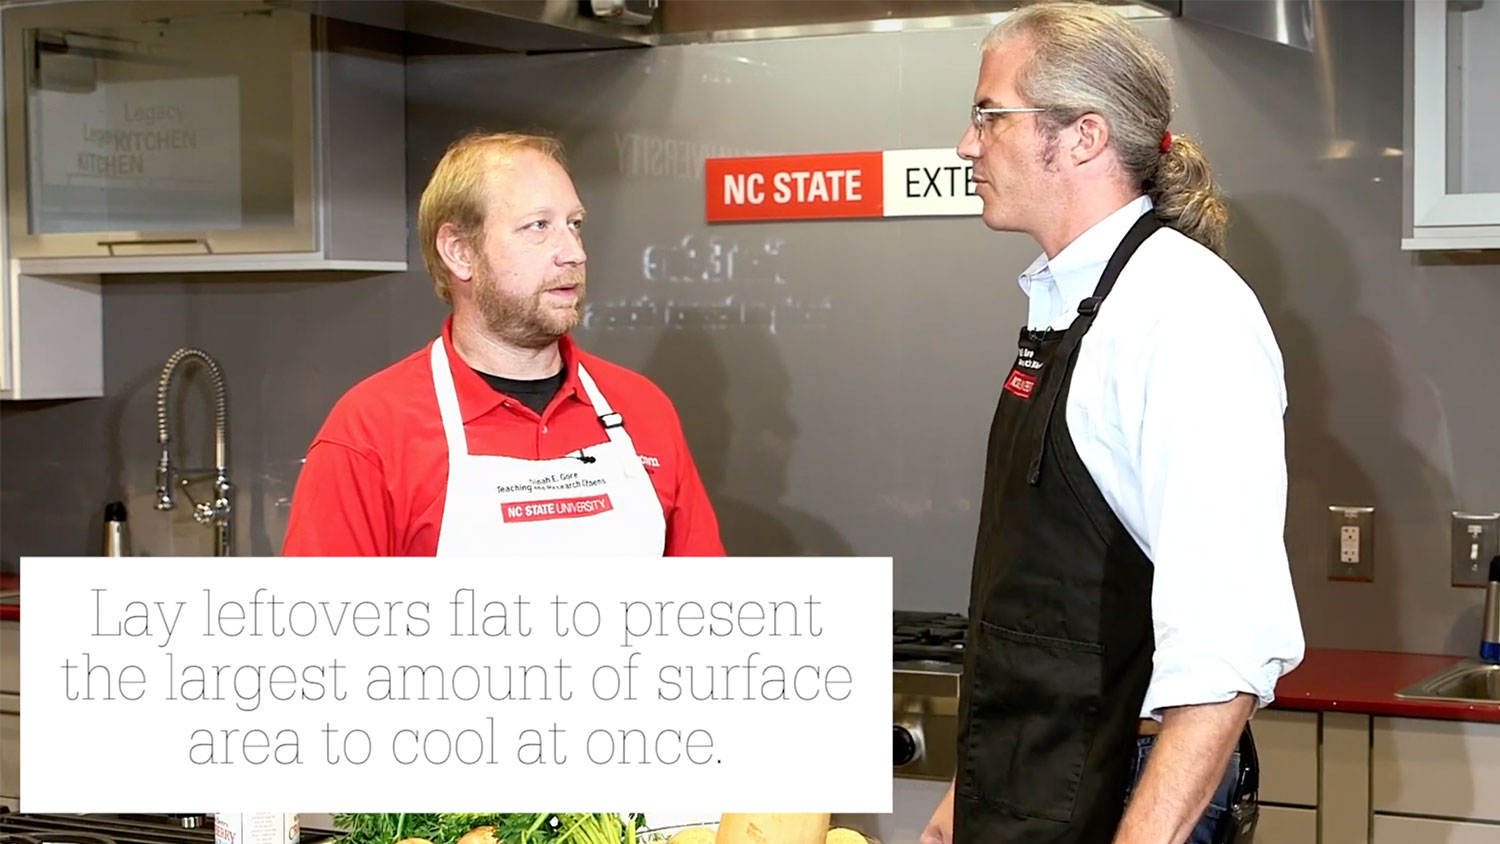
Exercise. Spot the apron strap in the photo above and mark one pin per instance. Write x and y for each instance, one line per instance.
(453, 421)
(614, 423)
(1145, 226)
(447, 398)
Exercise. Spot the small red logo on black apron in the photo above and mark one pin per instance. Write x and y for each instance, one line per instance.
(1020, 383)
(1022, 379)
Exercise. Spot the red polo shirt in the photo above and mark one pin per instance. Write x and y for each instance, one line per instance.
(376, 475)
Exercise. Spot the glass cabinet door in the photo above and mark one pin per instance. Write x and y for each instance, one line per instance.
(1473, 93)
(158, 128)
(6, 365)
(1455, 114)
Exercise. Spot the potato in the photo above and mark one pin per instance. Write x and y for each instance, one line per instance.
(693, 835)
(414, 841)
(843, 835)
(479, 835)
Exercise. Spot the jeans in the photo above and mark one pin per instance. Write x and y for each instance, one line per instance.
(1203, 833)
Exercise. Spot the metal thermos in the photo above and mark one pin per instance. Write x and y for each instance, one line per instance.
(115, 543)
(1489, 643)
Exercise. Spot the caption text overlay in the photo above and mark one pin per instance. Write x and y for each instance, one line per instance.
(485, 685)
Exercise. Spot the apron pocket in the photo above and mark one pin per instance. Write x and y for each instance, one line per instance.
(1035, 712)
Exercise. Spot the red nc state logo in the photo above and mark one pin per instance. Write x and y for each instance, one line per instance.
(1020, 383)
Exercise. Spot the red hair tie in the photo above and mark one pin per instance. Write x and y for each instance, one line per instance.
(1166, 141)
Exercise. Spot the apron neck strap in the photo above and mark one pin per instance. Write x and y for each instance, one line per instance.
(613, 422)
(597, 399)
(1144, 227)
(447, 399)
(453, 420)
(1073, 337)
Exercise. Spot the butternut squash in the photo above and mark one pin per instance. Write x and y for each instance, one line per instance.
(844, 835)
(479, 835)
(772, 828)
(693, 835)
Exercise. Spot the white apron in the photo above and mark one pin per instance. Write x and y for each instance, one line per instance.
(598, 501)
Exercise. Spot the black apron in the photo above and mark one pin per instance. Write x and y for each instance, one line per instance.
(1060, 641)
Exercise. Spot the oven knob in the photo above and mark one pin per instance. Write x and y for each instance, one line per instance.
(906, 746)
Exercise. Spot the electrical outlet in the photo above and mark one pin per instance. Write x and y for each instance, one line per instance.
(1353, 554)
(1349, 544)
(1476, 541)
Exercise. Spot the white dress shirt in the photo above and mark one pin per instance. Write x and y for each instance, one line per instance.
(1176, 410)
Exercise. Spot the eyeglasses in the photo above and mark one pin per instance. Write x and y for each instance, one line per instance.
(978, 114)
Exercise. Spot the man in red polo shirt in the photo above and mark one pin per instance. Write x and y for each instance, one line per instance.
(501, 437)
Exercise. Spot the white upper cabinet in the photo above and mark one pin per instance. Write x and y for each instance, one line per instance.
(1454, 183)
(159, 136)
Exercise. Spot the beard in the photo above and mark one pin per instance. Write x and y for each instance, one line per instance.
(524, 320)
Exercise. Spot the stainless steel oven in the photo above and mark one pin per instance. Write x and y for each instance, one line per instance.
(929, 649)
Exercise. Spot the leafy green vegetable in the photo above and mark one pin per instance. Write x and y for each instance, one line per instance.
(389, 828)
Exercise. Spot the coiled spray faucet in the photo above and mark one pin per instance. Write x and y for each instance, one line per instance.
(219, 511)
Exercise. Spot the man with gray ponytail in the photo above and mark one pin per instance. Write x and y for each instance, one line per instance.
(1131, 604)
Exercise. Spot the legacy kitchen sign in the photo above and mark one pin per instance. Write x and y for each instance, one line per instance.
(889, 183)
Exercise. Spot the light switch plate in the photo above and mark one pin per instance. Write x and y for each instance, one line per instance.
(1352, 534)
(1476, 541)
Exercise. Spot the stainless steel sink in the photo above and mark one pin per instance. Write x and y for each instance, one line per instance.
(1466, 681)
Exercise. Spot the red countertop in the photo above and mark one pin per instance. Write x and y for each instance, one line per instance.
(10, 610)
(1366, 682)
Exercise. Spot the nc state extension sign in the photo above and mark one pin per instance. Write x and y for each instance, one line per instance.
(889, 183)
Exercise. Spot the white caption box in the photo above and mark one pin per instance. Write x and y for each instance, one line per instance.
(372, 685)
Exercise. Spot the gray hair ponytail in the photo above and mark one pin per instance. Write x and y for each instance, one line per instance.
(1087, 58)
(1185, 195)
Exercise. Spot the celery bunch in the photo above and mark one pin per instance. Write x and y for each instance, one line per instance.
(514, 828)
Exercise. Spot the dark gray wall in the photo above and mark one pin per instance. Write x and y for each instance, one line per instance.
(837, 385)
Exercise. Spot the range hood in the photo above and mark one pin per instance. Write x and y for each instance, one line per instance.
(530, 26)
(522, 26)
(1292, 23)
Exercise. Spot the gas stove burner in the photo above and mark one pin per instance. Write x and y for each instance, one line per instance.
(929, 636)
(53, 838)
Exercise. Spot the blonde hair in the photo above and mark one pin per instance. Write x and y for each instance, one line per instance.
(1086, 58)
(457, 192)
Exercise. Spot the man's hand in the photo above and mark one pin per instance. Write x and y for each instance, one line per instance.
(1183, 771)
(940, 828)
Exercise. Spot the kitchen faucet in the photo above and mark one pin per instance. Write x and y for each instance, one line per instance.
(218, 512)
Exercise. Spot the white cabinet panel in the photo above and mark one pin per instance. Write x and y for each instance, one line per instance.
(1279, 825)
(1444, 768)
(54, 336)
(1395, 830)
(10, 746)
(1287, 744)
(10, 657)
(1344, 798)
